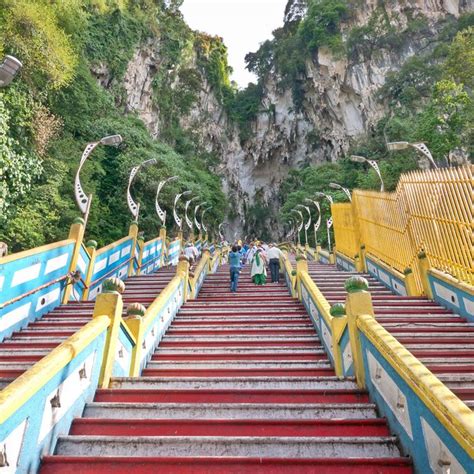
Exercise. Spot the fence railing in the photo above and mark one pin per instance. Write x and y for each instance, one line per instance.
(431, 211)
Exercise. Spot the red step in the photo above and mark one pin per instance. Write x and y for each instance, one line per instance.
(237, 372)
(220, 465)
(199, 427)
(230, 356)
(231, 396)
(285, 343)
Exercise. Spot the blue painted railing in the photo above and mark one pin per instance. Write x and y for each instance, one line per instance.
(32, 283)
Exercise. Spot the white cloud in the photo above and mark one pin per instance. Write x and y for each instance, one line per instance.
(244, 25)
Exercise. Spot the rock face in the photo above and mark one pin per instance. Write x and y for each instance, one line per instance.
(340, 105)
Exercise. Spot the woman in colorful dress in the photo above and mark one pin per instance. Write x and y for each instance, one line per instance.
(258, 271)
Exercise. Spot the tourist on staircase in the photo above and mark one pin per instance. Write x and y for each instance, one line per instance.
(259, 271)
(235, 266)
(274, 254)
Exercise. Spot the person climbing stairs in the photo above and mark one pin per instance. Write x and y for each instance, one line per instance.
(20, 351)
(239, 383)
(439, 338)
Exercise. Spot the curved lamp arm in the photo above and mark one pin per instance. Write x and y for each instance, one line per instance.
(196, 209)
(83, 201)
(204, 228)
(189, 222)
(161, 213)
(346, 191)
(132, 205)
(177, 219)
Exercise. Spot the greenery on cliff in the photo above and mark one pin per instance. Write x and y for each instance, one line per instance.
(56, 106)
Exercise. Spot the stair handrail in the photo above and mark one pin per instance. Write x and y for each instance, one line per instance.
(336, 326)
(197, 277)
(42, 385)
(382, 363)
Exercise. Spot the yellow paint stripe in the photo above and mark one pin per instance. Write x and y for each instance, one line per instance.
(319, 299)
(159, 303)
(453, 414)
(36, 250)
(15, 395)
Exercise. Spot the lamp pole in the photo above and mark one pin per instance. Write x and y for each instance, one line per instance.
(198, 225)
(317, 224)
(346, 191)
(9, 68)
(189, 222)
(132, 205)
(329, 221)
(202, 220)
(419, 147)
(373, 164)
(308, 224)
(177, 219)
(161, 213)
(82, 200)
(300, 225)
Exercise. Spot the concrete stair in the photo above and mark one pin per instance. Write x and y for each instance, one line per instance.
(441, 339)
(240, 383)
(20, 351)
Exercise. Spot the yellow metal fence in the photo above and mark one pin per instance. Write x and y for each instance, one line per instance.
(430, 211)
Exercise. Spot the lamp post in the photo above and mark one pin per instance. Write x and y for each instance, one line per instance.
(373, 164)
(198, 225)
(419, 147)
(9, 68)
(161, 213)
(177, 219)
(317, 224)
(300, 225)
(221, 235)
(83, 201)
(329, 221)
(132, 205)
(202, 221)
(308, 224)
(189, 222)
(346, 191)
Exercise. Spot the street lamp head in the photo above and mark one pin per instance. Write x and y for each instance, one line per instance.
(335, 186)
(111, 140)
(172, 178)
(8, 70)
(395, 146)
(153, 161)
(357, 159)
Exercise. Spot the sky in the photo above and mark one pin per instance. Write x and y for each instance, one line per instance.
(244, 25)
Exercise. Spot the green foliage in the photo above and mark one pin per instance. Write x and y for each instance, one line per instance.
(31, 31)
(37, 202)
(460, 63)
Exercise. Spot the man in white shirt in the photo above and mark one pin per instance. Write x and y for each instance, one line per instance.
(273, 255)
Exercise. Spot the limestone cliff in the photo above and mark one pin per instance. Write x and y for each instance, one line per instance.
(339, 100)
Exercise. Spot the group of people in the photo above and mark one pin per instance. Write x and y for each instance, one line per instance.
(258, 255)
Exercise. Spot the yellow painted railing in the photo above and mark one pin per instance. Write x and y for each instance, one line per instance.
(455, 416)
(26, 385)
(431, 211)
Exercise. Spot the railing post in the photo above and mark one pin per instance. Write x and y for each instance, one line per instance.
(163, 245)
(76, 232)
(91, 247)
(109, 303)
(410, 283)
(301, 266)
(132, 232)
(358, 303)
(424, 266)
(182, 270)
(180, 237)
(141, 245)
(134, 321)
(338, 324)
(363, 258)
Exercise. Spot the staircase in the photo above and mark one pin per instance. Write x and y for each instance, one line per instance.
(442, 340)
(240, 383)
(20, 351)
